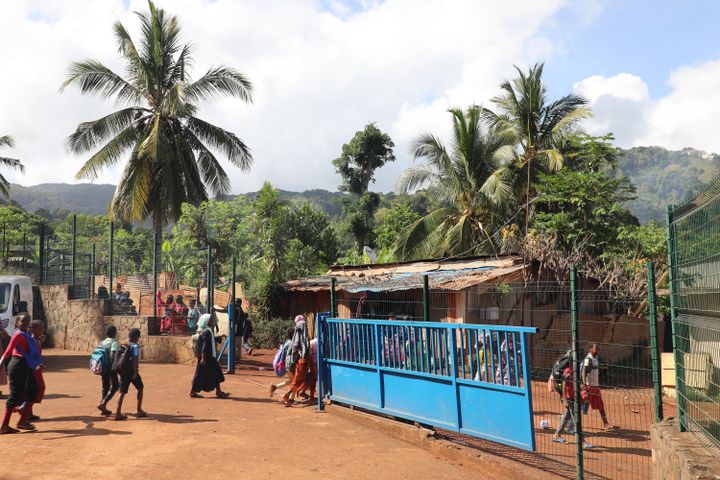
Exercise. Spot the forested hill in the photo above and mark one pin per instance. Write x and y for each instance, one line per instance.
(664, 177)
(661, 177)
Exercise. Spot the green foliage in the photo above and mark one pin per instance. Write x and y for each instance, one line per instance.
(664, 177)
(270, 332)
(359, 218)
(368, 150)
(392, 222)
(585, 206)
(536, 128)
(167, 147)
(472, 194)
(7, 141)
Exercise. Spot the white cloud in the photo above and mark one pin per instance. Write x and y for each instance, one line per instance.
(685, 117)
(320, 73)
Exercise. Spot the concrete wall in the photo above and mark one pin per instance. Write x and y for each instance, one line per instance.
(680, 456)
(79, 325)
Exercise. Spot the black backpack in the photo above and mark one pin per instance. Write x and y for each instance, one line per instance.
(122, 363)
(558, 368)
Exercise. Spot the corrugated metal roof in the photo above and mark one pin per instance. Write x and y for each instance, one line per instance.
(447, 275)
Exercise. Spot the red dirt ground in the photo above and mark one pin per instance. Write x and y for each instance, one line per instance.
(248, 436)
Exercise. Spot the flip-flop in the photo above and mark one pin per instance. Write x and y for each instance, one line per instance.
(104, 411)
(26, 426)
(612, 428)
(559, 440)
(121, 417)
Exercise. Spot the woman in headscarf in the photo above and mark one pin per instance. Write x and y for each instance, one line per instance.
(296, 360)
(208, 375)
(24, 360)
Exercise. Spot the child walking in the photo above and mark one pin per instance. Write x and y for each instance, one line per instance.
(131, 374)
(110, 383)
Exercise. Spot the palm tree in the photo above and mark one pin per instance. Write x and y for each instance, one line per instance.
(7, 141)
(465, 180)
(170, 159)
(535, 126)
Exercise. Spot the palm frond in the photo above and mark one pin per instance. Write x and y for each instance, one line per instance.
(416, 236)
(498, 188)
(7, 141)
(4, 187)
(213, 175)
(554, 159)
(415, 177)
(226, 142)
(220, 81)
(92, 77)
(89, 134)
(109, 154)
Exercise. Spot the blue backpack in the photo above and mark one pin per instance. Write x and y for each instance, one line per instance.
(279, 361)
(100, 360)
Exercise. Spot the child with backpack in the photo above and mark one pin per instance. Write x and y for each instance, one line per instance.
(126, 366)
(101, 361)
(279, 363)
(567, 392)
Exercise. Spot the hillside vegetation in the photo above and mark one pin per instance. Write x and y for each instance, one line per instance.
(660, 176)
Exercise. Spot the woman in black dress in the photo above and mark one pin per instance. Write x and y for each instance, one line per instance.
(208, 375)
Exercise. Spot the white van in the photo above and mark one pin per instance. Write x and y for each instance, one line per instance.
(13, 290)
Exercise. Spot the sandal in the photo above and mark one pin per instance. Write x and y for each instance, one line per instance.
(141, 414)
(9, 431)
(223, 395)
(25, 426)
(104, 410)
(611, 428)
(195, 395)
(120, 417)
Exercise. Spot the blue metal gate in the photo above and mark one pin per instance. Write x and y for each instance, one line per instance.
(473, 379)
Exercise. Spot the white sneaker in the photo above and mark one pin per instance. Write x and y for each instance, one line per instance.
(587, 445)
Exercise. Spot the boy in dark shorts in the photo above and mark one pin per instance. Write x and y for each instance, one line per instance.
(130, 375)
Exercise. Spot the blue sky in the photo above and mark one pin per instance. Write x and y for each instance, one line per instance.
(646, 38)
(323, 69)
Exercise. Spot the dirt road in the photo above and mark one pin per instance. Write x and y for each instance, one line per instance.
(248, 436)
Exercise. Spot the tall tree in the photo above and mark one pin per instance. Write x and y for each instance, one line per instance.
(536, 126)
(368, 150)
(169, 150)
(7, 141)
(465, 179)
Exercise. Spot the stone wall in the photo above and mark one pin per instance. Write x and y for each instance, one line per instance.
(680, 456)
(79, 325)
(167, 349)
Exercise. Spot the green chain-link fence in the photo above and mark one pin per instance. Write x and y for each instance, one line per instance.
(694, 255)
(628, 333)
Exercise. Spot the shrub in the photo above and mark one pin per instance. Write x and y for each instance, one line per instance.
(270, 333)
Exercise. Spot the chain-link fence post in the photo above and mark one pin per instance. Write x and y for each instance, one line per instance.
(678, 355)
(92, 272)
(73, 246)
(110, 260)
(333, 310)
(426, 298)
(155, 277)
(231, 322)
(579, 469)
(41, 253)
(654, 344)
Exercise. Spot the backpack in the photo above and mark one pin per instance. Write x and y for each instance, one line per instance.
(556, 376)
(100, 360)
(195, 345)
(122, 363)
(279, 361)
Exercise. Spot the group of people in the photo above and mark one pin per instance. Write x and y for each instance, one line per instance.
(300, 358)
(590, 394)
(127, 373)
(21, 367)
(176, 317)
